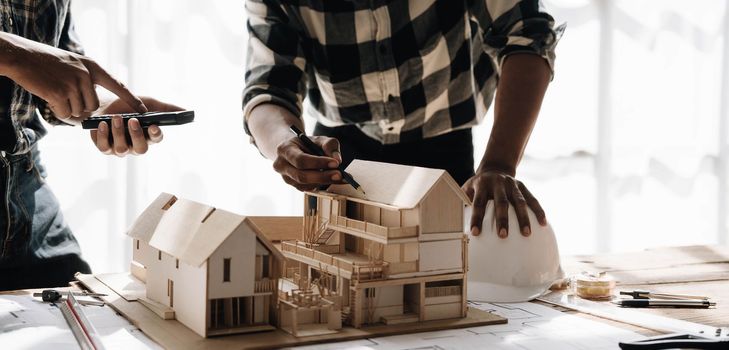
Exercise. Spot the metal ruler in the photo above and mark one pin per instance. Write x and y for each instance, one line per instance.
(82, 329)
(634, 317)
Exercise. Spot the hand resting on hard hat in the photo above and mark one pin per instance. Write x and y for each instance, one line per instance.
(514, 269)
(503, 189)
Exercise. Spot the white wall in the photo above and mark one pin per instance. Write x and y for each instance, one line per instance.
(187, 52)
(655, 115)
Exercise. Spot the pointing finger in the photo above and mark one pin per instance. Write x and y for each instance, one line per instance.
(101, 77)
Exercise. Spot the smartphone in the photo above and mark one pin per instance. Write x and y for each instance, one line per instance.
(145, 119)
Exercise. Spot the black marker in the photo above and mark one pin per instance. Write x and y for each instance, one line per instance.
(316, 150)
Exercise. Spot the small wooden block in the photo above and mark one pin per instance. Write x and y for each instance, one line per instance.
(400, 319)
(310, 330)
(164, 312)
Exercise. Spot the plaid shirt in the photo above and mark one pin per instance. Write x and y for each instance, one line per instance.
(401, 70)
(44, 21)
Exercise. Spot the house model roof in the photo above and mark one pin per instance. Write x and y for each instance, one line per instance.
(396, 185)
(188, 230)
(143, 228)
(278, 228)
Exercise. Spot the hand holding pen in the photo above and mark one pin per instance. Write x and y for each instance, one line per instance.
(313, 148)
(305, 170)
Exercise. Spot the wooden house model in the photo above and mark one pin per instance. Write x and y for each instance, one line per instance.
(396, 256)
(214, 269)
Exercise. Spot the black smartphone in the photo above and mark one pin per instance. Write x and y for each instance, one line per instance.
(145, 119)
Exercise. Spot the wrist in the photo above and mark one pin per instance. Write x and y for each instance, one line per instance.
(269, 127)
(496, 167)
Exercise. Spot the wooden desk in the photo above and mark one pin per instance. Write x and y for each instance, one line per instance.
(700, 270)
(694, 270)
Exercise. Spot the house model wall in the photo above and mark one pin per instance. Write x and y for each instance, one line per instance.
(215, 269)
(396, 256)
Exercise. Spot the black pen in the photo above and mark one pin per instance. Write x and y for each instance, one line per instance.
(683, 303)
(317, 150)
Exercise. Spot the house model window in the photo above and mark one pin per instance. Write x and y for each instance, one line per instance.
(266, 273)
(226, 270)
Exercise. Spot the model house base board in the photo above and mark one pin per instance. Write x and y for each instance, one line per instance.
(172, 334)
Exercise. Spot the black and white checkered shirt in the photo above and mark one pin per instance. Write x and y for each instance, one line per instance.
(400, 70)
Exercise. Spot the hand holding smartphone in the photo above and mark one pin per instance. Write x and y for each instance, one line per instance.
(145, 119)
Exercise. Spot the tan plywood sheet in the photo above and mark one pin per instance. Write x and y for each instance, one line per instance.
(171, 334)
(146, 223)
(211, 234)
(191, 231)
(124, 284)
(394, 184)
(655, 266)
(654, 258)
(278, 228)
(178, 226)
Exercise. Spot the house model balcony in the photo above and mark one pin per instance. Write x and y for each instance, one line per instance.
(396, 256)
(348, 265)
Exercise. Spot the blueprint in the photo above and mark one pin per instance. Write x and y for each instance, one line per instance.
(531, 327)
(27, 323)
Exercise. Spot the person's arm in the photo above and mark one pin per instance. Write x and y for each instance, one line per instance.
(272, 99)
(111, 139)
(523, 41)
(519, 97)
(65, 80)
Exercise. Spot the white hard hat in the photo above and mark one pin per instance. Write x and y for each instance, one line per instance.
(512, 269)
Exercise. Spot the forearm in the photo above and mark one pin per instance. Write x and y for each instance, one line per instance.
(269, 125)
(523, 82)
(9, 52)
